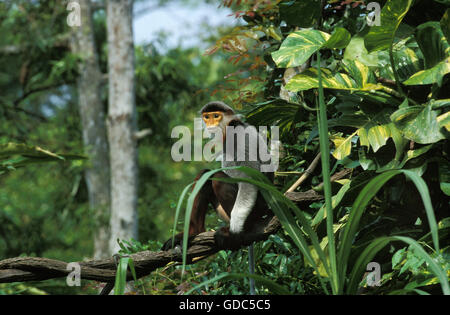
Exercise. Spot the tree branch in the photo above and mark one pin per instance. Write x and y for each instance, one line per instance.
(38, 269)
(104, 270)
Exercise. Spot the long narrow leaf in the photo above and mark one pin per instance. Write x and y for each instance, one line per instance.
(364, 197)
(325, 158)
(350, 229)
(178, 210)
(378, 244)
(279, 204)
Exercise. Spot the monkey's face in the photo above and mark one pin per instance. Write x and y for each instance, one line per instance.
(212, 119)
(213, 122)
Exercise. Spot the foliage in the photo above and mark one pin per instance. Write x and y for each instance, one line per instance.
(381, 93)
(386, 94)
(38, 107)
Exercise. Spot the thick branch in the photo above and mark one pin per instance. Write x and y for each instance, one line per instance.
(104, 270)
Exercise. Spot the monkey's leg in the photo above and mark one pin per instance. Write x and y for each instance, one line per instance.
(254, 225)
(226, 194)
(197, 220)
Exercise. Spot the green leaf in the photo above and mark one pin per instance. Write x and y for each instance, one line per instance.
(178, 210)
(305, 13)
(398, 257)
(358, 208)
(357, 51)
(436, 52)
(412, 154)
(121, 274)
(339, 39)
(10, 149)
(378, 244)
(373, 132)
(430, 76)
(274, 112)
(418, 123)
(407, 62)
(335, 201)
(382, 37)
(325, 160)
(280, 205)
(446, 2)
(362, 79)
(298, 47)
(342, 146)
(445, 25)
(362, 75)
(13, 155)
(432, 43)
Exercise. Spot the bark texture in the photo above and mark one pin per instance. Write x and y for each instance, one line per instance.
(122, 122)
(92, 114)
(104, 270)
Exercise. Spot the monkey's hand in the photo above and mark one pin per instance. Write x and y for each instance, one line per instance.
(177, 241)
(227, 240)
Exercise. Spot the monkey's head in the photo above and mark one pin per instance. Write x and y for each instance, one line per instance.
(217, 115)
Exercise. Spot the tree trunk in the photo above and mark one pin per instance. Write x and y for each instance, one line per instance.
(93, 123)
(122, 122)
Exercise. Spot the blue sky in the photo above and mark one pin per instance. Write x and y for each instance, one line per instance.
(183, 23)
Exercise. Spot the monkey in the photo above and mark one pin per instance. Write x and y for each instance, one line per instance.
(241, 204)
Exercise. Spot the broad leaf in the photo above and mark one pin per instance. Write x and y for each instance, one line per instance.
(356, 51)
(432, 43)
(373, 132)
(339, 39)
(436, 52)
(418, 123)
(343, 146)
(360, 79)
(382, 37)
(300, 45)
(274, 112)
(430, 76)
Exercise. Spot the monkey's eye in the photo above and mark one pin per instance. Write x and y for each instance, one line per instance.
(216, 116)
(206, 116)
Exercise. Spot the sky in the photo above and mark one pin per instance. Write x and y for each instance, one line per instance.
(182, 23)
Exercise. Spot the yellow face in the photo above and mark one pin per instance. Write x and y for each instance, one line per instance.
(212, 119)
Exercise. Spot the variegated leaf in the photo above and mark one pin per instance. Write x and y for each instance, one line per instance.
(300, 45)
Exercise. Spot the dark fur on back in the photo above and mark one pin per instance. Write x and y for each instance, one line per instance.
(217, 106)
